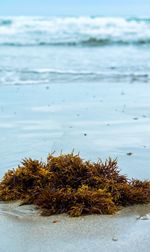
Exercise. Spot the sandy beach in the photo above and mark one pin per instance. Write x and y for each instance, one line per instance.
(99, 120)
(77, 83)
(22, 229)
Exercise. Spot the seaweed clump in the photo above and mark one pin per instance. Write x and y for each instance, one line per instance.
(69, 184)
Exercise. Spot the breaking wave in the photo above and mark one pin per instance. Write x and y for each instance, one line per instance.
(73, 31)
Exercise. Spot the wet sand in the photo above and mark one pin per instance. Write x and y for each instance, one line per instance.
(95, 119)
(22, 229)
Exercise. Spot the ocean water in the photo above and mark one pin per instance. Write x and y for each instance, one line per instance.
(78, 83)
(44, 50)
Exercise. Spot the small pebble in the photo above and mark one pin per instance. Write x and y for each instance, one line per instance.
(55, 221)
(129, 153)
(144, 217)
(114, 239)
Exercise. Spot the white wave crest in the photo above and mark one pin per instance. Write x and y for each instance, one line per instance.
(73, 30)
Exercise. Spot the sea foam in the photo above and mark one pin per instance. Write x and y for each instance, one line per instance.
(73, 31)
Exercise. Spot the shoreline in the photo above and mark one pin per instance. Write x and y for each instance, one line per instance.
(58, 123)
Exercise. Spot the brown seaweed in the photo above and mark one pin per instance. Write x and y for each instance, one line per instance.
(68, 184)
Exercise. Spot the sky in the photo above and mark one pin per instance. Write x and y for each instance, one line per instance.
(75, 7)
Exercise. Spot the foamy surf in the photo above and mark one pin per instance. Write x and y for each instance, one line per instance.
(73, 31)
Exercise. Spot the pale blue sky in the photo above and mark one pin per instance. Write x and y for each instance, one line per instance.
(75, 7)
